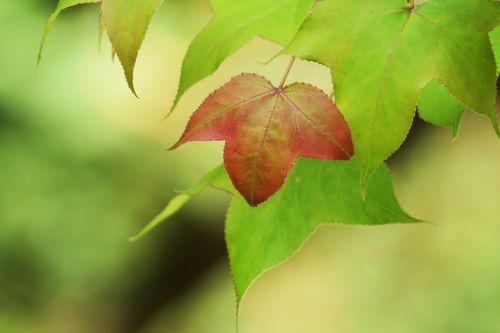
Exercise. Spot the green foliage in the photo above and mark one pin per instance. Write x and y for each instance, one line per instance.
(381, 53)
(234, 24)
(315, 193)
(385, 56)
(437, 106)
(126, 22)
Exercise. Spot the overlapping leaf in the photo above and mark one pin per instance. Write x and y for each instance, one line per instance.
(437, 106)
(315, 193)
(234, 24)
(266, 129)
(126, 23)
(383, 53)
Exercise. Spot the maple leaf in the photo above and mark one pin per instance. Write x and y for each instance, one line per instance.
(383, 53)
(266, 128)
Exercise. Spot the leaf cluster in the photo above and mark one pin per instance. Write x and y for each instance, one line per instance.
(386, 58)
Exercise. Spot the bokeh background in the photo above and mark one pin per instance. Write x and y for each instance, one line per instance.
(83, 166)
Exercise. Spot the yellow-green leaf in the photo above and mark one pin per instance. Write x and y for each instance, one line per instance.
(315, 193)
(437, 106)
(126, 23)
(382, 53)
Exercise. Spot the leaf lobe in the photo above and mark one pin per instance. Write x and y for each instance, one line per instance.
(266, 129)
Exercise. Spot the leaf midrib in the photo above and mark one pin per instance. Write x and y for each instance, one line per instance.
(379, 93)
(259, 152)
(229, 109)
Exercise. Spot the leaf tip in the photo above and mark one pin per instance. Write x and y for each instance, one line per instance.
(455, 132)
(39, 58)
(173, 106)
(133, 239)
(129, 75)
(177, 144)
(494, 122)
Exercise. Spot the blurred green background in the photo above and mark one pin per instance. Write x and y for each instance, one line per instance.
(84, 166)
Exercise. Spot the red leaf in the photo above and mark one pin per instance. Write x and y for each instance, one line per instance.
(266, 129)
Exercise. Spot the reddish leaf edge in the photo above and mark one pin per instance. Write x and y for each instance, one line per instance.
(272, 90)
(181, 141)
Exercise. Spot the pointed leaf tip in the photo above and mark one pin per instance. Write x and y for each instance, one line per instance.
(437, 106)
(61, 5)
(127, 23)
(315, 193)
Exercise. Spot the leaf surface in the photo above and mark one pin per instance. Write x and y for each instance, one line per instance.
(382, 54)
(316, 192)
(234, 24)
(61, 5)
(126, 23)
(217, 178)
(266, 129)
(437, 106)
(495, 42)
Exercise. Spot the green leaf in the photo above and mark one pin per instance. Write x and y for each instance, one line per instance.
(382, 54)
(219, 5)
(127, 22)
(217, 178)
(63, 4)
(495, 42)
(316, 192)
(437, 106)
(234, 24)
